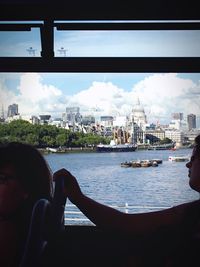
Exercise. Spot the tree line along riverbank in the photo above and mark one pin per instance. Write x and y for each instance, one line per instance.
(42, 136)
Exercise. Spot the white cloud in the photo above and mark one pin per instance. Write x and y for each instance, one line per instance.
(164, 94)
(32, 88)
(33, 97)
(104, 96)
(160, 94)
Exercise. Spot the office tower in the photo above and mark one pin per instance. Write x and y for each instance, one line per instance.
(191, 120)
(12, 110)
(73, 115)
(177, 116)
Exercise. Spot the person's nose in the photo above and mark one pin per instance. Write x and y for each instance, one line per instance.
(188, 164)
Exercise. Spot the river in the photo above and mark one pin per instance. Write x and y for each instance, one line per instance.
(102, 178)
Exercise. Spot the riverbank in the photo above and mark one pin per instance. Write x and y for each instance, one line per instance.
(87, 149)
(67, 150)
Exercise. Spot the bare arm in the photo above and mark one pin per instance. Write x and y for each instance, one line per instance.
(107, 217)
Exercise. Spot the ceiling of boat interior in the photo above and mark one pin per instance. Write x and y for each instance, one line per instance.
(99, 9)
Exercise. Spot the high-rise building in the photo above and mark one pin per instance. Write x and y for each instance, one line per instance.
(12, 110)
(177, 116)
(73, 115)
(191, 120)
(2, 117)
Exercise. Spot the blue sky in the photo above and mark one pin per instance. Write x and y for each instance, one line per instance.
(105, 43)
(103, 93)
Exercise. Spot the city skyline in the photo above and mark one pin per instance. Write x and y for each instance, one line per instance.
(102, 94)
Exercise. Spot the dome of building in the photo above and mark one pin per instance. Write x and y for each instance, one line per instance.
(138, 107)
(138, 113)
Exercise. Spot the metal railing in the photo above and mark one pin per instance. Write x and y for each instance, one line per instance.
(74, 216)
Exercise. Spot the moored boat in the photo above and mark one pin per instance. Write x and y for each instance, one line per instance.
(178, 158)
(159, 161)
(141, 163)
(145, 163)
(112, 147)
(162, 147)
(126, 164)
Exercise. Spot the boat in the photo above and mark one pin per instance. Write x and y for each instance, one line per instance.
(51, 149)
(126, 164)
(146, 163)
(112, 147)
(158, 161)
(55, 150)
(142, 163)
(136, 164)
(161, 147)
(178, 158)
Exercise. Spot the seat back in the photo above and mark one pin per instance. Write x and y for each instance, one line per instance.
(37, 239)
(58, 207)
(47, 221)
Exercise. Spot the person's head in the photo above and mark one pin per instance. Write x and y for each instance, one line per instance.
(194, 166)
(25, 177)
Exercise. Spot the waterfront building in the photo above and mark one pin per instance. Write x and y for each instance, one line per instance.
(191, 120)
(190, 135)
(176, 136)
(154, 136)
(121, 136)
(137, 124)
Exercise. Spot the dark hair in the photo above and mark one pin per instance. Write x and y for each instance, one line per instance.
(197, 140)
(31, 169)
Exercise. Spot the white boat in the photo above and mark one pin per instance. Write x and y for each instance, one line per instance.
(179, 158)
(51, 149)
(112, 147)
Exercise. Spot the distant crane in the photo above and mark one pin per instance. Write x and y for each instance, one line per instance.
(62, 51)
(31, 51)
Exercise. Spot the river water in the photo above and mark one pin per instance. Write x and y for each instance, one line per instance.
(102, 178)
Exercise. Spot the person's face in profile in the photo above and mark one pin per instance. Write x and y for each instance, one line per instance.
(12, 193)
(194, 170)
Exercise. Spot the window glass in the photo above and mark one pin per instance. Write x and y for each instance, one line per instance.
(89, 105)
(127, 43)
(20, 43)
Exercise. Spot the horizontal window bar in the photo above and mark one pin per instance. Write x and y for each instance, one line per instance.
(100, 64)
(18, 27)
(129, 26)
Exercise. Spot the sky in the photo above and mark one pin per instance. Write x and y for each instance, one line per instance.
(160, 94)
(115, 94)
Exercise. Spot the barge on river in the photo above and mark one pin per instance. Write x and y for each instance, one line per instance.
(141, 163)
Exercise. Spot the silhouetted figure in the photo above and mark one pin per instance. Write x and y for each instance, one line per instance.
(176, 225)
(25, 178)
